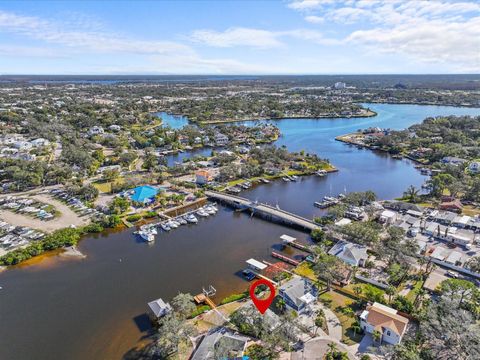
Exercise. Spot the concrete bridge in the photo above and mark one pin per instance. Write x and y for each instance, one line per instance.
(264, 210)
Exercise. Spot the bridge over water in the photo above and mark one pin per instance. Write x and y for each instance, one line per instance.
(263, 210)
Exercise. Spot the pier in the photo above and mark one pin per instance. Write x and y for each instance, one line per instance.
(285, 259)
(264, 210)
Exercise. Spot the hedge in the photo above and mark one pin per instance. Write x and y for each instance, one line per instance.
(233, 298)
(199, 310)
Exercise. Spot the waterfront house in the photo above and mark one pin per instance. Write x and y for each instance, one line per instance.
(144, 194)
(158, 309)
(385, 320)
(298, 293)
(353, 254)
(203, 176)
(220, 343)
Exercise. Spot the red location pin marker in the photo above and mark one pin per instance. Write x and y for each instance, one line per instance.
(262, 304)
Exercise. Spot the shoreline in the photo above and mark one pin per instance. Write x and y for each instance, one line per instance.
(343, 139)
(369, 114)
(72, 251)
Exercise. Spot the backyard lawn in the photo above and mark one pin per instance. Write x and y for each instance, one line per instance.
(338, 303)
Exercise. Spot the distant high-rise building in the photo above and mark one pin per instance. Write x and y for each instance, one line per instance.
(340, 85)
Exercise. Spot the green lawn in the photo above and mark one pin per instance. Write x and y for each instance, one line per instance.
(337, 303)
(413, 293)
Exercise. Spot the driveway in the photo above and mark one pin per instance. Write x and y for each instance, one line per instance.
(316, 349)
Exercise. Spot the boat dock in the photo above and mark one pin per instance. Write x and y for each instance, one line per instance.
(285, 259)
(204, 297)
(291, 241)
(264, 210)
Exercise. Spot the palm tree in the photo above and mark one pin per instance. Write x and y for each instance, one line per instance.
(411, 194)
(390, 291)
(333, 348)
(377, 336)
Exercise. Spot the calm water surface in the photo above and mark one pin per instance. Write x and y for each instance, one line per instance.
(94, 308)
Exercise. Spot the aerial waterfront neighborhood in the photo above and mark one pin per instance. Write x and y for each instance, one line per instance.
(224, 180)
(358, 279)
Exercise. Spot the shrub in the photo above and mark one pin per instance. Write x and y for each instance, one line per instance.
(199, 310)
(317, 235)
(134, 217)
(55, 240)
(93, 228)
(150, 214)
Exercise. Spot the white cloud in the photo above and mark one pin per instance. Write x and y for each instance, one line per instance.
(308, 4)
(262, 39)
(457, 44)
(256, 38)
(79, 37)
(442, 32)
(314, 19)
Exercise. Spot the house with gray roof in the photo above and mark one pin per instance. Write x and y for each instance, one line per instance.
(220, 343)
(298, 293)
(352, 254)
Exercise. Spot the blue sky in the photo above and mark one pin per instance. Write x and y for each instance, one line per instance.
(239, 37)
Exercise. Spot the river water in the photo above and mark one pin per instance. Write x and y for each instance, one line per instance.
(94, 308)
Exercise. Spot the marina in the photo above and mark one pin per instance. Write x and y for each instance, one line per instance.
(148, 231)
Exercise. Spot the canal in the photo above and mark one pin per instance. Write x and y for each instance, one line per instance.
(93, 308)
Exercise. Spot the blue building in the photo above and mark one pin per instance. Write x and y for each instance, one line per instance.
(144, 194)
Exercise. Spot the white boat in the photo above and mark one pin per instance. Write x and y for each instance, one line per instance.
(294, 177)
(209, 210)
(202, 213)
(173, 224)
(286, 179)
(191, 219)
(165, 227)
(181, 220)
(147, 236)
(321, 173)
(152, 230)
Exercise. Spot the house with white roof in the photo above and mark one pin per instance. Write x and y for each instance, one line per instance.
(388, 217)
(352, 254)
(386, 321)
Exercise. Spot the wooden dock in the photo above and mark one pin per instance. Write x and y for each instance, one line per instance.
(285, 259)
(264, 210)
(299, 246)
